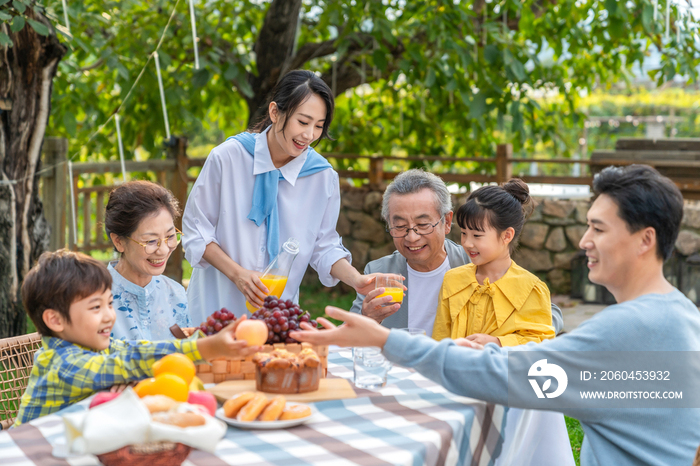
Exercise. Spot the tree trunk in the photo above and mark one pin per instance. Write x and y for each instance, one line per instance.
(274, 49)
(27, 70)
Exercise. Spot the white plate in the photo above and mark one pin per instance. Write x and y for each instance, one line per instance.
(267, 425)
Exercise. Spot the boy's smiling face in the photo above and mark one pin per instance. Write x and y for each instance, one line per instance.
(91, 321)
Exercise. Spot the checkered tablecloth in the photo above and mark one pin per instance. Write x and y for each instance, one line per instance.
(411, 421)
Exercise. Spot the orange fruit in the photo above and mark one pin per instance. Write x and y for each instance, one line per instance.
(176, 363)
(169, 385)
(145, 387)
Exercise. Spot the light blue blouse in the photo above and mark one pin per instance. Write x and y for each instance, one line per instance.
(147, 313)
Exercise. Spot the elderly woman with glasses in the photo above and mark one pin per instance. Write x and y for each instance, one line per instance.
(139, 220)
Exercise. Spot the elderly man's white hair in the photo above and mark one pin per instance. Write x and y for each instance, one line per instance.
(414, 180)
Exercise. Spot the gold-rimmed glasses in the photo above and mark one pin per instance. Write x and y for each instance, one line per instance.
(153, 245)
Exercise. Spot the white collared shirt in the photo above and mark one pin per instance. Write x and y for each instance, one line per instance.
(217, 211)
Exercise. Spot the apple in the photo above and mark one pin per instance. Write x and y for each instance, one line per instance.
(205, 399)
(102, 397)
(252, 331)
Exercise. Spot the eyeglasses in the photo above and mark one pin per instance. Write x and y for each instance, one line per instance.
(420, 229)
(152, 246)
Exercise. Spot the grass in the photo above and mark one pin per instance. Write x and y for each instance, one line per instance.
(314, 298)
(575, 437)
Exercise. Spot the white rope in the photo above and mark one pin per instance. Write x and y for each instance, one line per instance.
(364, 70)
(333, 75)
(668, 18)
(74, 224)
(656, 10)
(483, 25)
(121, 147)
(162, 96)
(194, 35)
(65, 15)
(374, 67)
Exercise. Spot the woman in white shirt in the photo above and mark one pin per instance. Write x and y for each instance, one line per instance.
(258, 189)
(139, 220)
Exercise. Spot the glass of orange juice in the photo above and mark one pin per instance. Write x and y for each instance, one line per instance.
(274, 283)
(392, 287)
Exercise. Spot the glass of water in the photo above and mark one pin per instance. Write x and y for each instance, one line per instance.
(370, 368)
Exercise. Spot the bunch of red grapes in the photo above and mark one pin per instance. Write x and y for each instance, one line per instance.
(281, 318)
(217, 321)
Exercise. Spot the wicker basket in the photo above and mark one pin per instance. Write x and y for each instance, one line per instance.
(148, 454)
(244, 368)
(16, 362)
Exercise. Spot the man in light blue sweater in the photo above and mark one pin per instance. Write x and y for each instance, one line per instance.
(632, 227)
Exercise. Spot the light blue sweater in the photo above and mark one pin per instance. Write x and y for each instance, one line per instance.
(617, 436)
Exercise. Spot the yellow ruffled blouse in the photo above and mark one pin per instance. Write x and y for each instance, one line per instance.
(515, 308)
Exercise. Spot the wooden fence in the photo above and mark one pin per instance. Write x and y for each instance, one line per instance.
(173, 172)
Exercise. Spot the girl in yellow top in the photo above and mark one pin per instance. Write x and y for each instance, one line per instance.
(493, 300)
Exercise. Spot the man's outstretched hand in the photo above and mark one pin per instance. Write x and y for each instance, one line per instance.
(356, 330)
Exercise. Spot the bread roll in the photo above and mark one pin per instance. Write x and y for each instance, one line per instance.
(274, 409)
(158, 403)
(278, 363)
(232, 406)
(295, 412)
(180, 419)
(253, 408)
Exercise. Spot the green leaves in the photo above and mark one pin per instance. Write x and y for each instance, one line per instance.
(492, 54)
(611, 6)
(5, 40)
(17, 24)
(19, 6)
(478, 106)
(40, 28)
(514, 65)
(69, 123)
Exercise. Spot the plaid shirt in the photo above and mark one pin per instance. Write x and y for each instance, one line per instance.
(65, 373)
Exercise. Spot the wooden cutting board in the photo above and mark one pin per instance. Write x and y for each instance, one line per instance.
(328, 389)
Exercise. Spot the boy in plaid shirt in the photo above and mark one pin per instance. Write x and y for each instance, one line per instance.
(68, 296)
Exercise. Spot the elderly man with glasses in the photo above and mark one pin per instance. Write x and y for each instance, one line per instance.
(417, 208)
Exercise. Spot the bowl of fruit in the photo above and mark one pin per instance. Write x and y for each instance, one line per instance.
(280, 317)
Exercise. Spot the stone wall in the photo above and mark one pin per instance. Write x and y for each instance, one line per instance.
(548, 242)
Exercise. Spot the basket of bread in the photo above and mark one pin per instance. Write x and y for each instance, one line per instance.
(158, 422)
(268, 327)
(164, 410)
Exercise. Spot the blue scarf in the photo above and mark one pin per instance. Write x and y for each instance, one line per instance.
(265, 191)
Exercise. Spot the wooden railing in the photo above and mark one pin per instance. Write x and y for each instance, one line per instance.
(172, 172)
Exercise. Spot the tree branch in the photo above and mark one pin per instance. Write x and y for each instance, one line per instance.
(312, 50)
(348, 69)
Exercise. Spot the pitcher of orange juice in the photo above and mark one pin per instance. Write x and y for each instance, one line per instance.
(275, 275)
